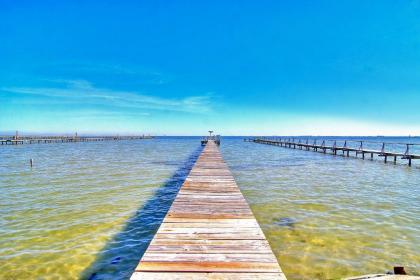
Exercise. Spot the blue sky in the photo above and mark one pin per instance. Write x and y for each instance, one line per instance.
(183, 67)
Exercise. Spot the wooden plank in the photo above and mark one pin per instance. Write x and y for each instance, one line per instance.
(209, 232)
(206, 276)
(208, 266)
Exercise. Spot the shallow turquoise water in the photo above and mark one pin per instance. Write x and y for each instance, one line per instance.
(88, 210)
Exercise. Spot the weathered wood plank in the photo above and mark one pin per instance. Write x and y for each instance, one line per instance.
(209, 232)
(204, 276)
(208, 266)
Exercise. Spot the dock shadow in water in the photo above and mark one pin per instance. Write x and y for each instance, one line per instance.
(119, 258)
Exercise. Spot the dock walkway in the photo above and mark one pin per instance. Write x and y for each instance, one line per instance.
(334, 148)
(209, 232)
(14, 140)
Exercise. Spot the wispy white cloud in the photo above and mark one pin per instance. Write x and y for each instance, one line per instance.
(139, 74)
(82, 91)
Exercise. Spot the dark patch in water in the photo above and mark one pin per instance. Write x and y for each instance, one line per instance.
(92, 276)
(167, 162)
(286, 222)
(116, 260)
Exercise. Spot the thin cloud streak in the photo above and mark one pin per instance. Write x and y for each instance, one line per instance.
(84, 92)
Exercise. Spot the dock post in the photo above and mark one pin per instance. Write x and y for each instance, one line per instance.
(344, 146)
(361, 150)
(407, 154)
(383, 152)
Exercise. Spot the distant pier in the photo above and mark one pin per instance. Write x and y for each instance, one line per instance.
(331, 146)
(20, 140)
(209, 232)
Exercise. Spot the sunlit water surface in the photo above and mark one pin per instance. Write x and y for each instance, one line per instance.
(327, 216)
(88, 210)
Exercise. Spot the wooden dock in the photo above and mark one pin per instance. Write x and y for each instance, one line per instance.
(20, 140)
(334, 148)
(209, 232)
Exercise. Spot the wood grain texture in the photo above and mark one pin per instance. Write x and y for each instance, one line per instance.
(209, 232)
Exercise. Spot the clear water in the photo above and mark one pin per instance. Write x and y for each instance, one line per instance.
(88, 210)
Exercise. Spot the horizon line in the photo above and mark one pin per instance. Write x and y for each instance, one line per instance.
(10, 134)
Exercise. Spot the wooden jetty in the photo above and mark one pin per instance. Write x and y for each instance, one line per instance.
(19, 140)
(215, 139)
(209, 232)
(333, 148)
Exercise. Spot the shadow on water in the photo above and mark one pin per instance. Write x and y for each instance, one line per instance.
(119, 258)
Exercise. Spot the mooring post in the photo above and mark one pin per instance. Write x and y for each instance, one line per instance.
(383, 152)
(407, 154)
(361, 150)
(344, 146)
